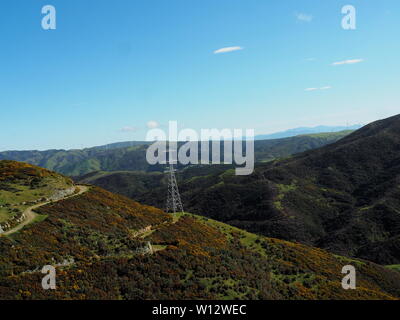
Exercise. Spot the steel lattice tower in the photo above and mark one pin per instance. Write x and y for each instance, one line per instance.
(174, 203)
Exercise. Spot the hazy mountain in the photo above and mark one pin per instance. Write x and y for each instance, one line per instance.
(125, 144)
(306, 130)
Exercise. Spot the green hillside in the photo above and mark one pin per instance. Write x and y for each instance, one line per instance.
(343, 197)
(109, 247)
(22, 184)
(131, 156)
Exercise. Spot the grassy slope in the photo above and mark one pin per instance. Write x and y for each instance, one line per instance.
(343, 197)
(394, 267)
(21, 182)
(195, 258)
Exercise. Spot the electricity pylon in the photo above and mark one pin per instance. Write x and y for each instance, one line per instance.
(174, 202)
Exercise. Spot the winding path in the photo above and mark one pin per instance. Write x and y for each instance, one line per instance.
(31, 215)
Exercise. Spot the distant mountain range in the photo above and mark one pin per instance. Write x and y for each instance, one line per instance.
(131, 156)
(117, 145)
(306, 130)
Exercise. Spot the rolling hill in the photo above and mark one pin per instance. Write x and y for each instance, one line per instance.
(106, 246)
(343, 197)
(21, 185)
(131, 156)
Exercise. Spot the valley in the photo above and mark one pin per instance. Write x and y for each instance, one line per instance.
(192, 257)
(193, 159)
(343, 197)
(131, 156)
(285, 232)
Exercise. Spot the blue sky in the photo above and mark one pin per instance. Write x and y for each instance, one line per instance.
(111, 67)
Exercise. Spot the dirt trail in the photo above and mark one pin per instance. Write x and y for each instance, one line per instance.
(30, 215)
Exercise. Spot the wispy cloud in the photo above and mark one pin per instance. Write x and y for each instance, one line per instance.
(228, 49)
(152, 124)
(315, 89)
(304, 17)
(128, 129)
(352, 61)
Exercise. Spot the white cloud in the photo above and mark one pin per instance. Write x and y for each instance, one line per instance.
(304, 17)
(128, 129)
(152, 124)
(347, 62)
(227, 49)
(315, 89)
